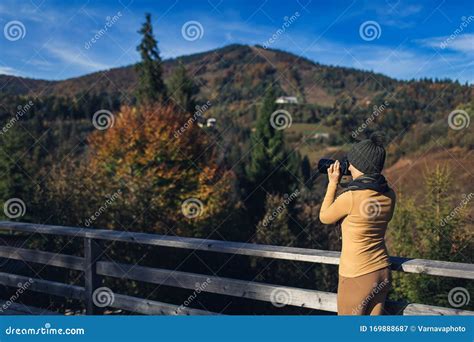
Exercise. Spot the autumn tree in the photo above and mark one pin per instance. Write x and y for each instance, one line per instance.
(167, 185)
(151, 87)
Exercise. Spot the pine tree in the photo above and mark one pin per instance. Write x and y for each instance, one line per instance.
(151, 87)
(182, 89)
(272, 168)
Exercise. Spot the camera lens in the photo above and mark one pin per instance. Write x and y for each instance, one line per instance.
(323, 165)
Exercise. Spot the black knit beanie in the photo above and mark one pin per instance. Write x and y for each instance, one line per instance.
(368, 156)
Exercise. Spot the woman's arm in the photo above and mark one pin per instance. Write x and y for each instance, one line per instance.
(334, 210)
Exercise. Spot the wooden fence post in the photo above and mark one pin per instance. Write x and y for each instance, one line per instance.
(92, 251)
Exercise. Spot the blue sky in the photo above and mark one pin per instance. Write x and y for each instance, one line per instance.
(412, 39)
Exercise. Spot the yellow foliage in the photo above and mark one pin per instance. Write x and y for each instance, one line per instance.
(155, 169)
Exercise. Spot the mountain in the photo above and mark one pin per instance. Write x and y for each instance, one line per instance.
(241, 70)
(331, 99)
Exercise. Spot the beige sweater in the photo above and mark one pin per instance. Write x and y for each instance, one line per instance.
(365, 215)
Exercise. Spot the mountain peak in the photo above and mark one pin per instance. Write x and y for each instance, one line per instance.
(243, 71)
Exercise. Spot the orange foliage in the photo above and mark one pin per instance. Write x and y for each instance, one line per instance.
(157, 169)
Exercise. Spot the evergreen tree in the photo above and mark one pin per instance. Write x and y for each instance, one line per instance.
(182, 89)
(151, 87)
(272, 168)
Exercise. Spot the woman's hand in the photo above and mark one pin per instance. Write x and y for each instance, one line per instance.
(334, 172)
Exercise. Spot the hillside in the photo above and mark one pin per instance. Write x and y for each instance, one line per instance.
(242, 70)
(233, 78)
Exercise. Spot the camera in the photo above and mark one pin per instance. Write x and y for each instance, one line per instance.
(323, 165)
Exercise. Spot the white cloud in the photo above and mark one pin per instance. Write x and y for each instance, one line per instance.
(403, 11)
(75, 57)
(404, 62)
(31, 13)
(464, 43)
(461, 43)
(9, 71)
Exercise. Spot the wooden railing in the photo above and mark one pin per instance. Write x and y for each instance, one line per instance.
(94, 268)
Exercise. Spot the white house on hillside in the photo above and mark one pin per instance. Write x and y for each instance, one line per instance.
(287, 99)
(211, 122)
(321, 136)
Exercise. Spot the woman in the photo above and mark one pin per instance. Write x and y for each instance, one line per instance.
(365, 209)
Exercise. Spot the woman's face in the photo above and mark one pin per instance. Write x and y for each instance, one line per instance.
(354, 172)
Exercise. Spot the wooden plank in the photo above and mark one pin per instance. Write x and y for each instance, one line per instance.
(91, 279)
(44, 286)
(150, 307)
(41, 228)
(22, 309)
(311, 299)
(412, 309)
(268, 251)
(47, 258)
(432, 267)
(232, 287)
(428, 310)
